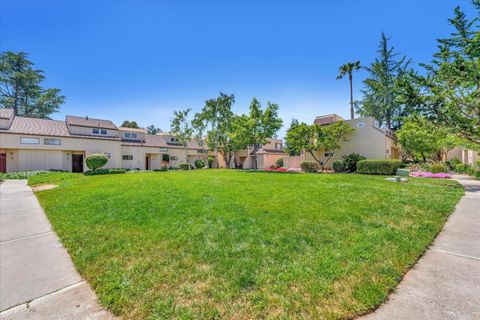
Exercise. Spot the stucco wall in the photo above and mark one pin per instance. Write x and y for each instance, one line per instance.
(45, 157)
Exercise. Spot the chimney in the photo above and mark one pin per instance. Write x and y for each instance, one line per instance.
(86, 118)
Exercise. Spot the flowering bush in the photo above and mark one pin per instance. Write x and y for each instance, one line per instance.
(426, 174)
(276, 169)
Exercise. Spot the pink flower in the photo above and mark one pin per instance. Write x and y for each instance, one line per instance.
(427, 174)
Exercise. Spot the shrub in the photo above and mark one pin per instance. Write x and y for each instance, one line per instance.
(477, 175)
(279, 162)
(20, 175)
(162, 168)
(350, 161)
(105, 171)
(165, 157)
(338, 166)
(378, 166)
(95, 161)
(210, 161)
(451, 164)
(478, 163)
(309, 166)
(199, 164)
(185, 166)
(461, 168)
(470, 170)
(438, 168)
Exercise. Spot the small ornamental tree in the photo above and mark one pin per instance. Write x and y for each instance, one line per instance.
(95, 161)
(315, 139)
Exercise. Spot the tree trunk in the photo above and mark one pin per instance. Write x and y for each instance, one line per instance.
(352, 112)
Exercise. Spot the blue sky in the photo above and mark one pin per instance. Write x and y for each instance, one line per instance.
(141, 60)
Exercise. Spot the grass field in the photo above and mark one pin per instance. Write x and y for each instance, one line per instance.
(244, 245)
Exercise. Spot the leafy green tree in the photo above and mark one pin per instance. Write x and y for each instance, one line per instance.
(345, 69)
(130, 124)
(419, 138)
(215, 119)
(381, 92)
(236, 139)
(448, 91)
(181, 127)
(21, 88)
(261, 125)
(317, 139)
(95, 161)
(151, 129)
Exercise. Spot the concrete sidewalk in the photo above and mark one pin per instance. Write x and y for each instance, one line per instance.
(37, 277)
(445, 283)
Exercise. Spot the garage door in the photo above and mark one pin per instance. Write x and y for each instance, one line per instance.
(40, 160)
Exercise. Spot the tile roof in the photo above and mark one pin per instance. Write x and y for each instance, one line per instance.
(6, 113)
(90, 122)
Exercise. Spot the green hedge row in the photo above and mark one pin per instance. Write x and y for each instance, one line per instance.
(388, 167)
(105, 171)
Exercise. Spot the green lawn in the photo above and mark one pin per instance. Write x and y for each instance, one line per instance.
(244, 245)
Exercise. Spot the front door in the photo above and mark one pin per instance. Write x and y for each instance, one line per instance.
(147, 163)
(77, 162)
(3, 162)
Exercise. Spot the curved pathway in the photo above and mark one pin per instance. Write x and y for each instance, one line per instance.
(37, 277)
(445, 282)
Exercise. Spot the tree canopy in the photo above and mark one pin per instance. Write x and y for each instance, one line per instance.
(260, 125)
(181, 127)
(380, 94)
(216, 120)
(21, 88)
(130, 124)
(151, 129)
(448, 90)
(316, 139)
(347, 69)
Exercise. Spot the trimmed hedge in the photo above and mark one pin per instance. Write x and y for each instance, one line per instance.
(461, 168)
(350, 161)
(309, 166)
(95, 161)
(199, 164)
(20, 175)
(185, 166)
(104, 171)
(388, 167)
(338, 166)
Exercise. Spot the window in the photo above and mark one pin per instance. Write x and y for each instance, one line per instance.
(163, 150)
(128, 135)
(95, 131)
(360, 124)
(173, 158)
(172, 139)
(25, 140)
(51, 141)
(107, 154)
(328, 154)
(134, 136)
(103, 131)
(127, 157)
(202, 151)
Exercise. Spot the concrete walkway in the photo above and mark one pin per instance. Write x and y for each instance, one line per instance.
(445, 283)
(37, 277)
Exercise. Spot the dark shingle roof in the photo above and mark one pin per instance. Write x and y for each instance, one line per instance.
(90, 122)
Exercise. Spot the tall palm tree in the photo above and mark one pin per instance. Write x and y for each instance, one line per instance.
(348, 68)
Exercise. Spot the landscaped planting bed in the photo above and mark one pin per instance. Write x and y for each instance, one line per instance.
(244, 245)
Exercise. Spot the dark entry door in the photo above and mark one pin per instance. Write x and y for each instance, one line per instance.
(147, 163)
(77, 162)
(3, 162)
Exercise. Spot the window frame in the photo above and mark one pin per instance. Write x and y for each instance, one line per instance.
(103, 131)
(174, 158)
(127, 157)
(52, 139)
(24, 139)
